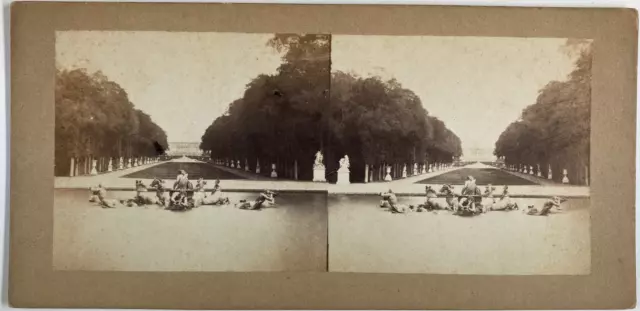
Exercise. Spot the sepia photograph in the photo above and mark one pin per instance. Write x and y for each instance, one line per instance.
(313, 152)
(187, 151)
(460, 155)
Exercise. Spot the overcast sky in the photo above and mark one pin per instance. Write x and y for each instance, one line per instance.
(182, 80)
(476, 85)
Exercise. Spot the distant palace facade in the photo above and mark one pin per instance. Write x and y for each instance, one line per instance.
(184, 149)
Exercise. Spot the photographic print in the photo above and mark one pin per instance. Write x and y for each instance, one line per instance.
(322, 157)
(460, 155)
(187, 151)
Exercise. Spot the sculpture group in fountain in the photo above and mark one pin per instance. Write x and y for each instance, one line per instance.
(318, 168)
(343, 171)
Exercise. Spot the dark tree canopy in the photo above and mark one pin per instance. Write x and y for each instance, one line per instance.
(303, 108)
(380, 122)
(556, 129)
(94, 118)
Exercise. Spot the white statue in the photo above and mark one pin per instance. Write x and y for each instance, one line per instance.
(343, 172)
(318, 168)
(344, 163)
(319, 158)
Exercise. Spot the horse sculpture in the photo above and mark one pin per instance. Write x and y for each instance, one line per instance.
(488, 199)
(450, 197)
(199, 194)
(432, 203)
(162, 196)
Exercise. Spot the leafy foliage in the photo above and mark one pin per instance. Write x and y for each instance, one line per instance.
(555, 130)
(290, 115)
(94, 118)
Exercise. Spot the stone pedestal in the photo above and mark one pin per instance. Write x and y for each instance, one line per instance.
(343, 177)
(121, 163)
(565, 178)
(110, 168)
(274, 174)
(238, 164)
(415, 169)
(388, 176)
(531, 170)
(233, 164)
(404, 171)
(94, 170)
(319, 174)
(424, 170)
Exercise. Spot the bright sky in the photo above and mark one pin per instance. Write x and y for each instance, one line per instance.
(182, 80)
(476, 85)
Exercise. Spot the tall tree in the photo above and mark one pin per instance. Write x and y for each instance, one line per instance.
(555, 130)
(94, 118)
(304, 108)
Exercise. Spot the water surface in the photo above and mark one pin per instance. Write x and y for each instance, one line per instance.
(366, 238)
(291, 237)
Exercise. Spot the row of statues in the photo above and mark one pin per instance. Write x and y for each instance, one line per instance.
(122, 163)
(343, 172)
(529, 169)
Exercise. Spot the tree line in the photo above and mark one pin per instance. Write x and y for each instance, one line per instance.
(286, 117)
(555, 130)
(96, 120)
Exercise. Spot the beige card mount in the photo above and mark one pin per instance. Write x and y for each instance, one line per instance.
(254, 156)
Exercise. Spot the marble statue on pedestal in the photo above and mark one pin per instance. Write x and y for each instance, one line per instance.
(343, 171)
(319, 168)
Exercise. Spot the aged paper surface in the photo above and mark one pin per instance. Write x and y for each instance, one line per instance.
(442, 160)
